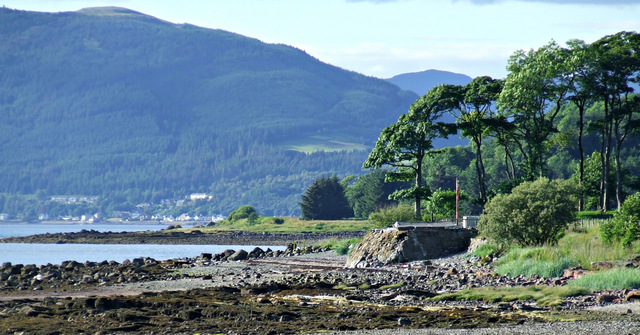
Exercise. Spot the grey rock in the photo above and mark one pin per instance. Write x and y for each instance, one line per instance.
(239, 255)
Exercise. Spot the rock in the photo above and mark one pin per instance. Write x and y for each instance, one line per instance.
(404, 321)
(28, 311)
(601, 265)
(239, 255)
(392, 246)
(633, 295)
(256, 253)
(574, 273)
(605, 298)
(206, 256)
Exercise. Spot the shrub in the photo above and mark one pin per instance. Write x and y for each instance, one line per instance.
(241, 212)
(535, 213)
(486, 250)
(625, 225)
(388, 216)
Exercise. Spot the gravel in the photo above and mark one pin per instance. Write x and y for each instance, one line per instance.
(583, 327)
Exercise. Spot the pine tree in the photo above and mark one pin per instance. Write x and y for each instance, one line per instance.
(325, 200)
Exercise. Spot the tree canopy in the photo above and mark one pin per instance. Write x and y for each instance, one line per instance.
(325, 200)
(404, 144)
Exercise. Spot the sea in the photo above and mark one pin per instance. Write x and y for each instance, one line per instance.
(44, 253)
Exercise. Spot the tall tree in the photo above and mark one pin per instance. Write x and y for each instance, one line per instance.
(533, 95)
(404, 144)
(325, 200)
(616, 65)
(581, 94)
(473, 105)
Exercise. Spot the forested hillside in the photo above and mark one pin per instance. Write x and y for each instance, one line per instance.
(113, 103)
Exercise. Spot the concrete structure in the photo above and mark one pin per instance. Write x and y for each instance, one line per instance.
(406, 242)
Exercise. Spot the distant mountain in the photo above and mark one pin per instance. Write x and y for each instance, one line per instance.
(113, 103)
(421, 82)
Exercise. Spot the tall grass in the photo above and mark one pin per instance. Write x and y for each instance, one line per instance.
(529, 267)
(614, 279)
(579, 246)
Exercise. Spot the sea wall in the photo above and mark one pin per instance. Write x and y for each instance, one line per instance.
(391, 246)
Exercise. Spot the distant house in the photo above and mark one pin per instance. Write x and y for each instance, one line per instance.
(199, 196)
(4, 216)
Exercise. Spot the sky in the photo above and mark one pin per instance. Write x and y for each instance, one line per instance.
(383, 38)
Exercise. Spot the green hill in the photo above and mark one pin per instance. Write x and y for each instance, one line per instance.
(113, 103)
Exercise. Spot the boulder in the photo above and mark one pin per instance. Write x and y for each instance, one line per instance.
(239, 255)
(633, 295)
(392, 246)
(256, 253)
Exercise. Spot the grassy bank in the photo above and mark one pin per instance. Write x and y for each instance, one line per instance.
(289, 225)
(580, 246)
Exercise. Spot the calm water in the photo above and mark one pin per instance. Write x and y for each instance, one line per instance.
(39, 254)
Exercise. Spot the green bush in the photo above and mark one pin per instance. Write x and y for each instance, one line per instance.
(485, 250)
(625, 225)
(242, 212)
(534, 213)
(388, 216)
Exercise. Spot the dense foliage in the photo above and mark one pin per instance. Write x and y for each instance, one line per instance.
(242, 212)
(534, 213)
(561, 112)
(370, 192)
(404, 145)
(325, 200)
(112, 103)
(625, 225)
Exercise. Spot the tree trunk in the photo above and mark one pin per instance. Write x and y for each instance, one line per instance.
(417, 194)
(581, 149)
(618, 174)
(480, 171)
(605, 169)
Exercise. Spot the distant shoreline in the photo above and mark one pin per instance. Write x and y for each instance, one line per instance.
(178, 237)
(80, 223)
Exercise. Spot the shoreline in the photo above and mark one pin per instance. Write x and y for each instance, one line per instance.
(292, 292)
(178, 237)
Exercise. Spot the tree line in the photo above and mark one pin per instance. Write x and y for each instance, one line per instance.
(557, 107)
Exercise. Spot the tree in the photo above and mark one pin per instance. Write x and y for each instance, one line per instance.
(325, 200)
(615, 65)
(535, 213)
(533, 95)
(404, 144)
(370, 192)
(473, 106)
(443, 203)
